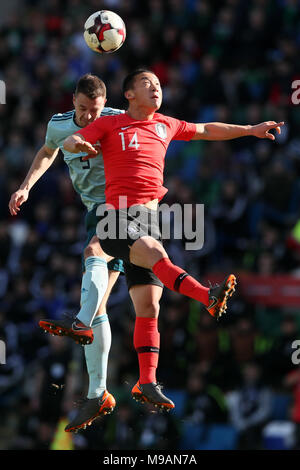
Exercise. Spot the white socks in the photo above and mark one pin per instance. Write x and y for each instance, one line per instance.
(93, 287)
(96, 355)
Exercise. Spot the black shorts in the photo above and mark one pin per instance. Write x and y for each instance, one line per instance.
(137, 276)
(128, 225)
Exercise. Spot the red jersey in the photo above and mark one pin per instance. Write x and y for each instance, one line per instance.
(134, 154)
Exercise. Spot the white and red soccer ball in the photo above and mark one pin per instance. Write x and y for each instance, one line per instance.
(104, 31)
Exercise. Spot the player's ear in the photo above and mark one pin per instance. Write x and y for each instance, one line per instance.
(129, 94)
(74, 99)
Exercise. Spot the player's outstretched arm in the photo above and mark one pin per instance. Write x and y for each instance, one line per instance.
(76, 143)
(222, 131)
(42, 161)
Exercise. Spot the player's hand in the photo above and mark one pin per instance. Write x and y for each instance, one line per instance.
(88, 148)
(97, 147)
(262, 131)
(17, 199)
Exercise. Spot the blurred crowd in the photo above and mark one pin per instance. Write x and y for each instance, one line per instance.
(217, 60)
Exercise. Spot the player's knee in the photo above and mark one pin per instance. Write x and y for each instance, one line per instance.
(90, 250)
(93, 249)
(149, 308)
(154, 250)
(156, 254)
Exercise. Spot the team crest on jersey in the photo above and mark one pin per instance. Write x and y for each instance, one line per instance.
(161, 130)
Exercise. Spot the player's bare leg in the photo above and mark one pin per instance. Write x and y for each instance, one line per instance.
(149, 253)
(146, 299)
(112, 279)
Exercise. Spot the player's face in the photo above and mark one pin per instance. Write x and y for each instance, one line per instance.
(147, 91)
(86, 109)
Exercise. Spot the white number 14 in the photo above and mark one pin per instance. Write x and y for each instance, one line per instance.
(132, 143)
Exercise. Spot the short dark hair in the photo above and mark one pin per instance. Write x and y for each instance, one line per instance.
(129, 79)
(91, 86)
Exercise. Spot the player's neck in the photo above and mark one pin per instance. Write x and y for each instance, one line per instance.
(141, 114)
(75, 120)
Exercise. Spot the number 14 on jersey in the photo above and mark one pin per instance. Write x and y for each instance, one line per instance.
(133, 142)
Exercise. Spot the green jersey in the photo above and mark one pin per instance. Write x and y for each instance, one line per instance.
(87, 176)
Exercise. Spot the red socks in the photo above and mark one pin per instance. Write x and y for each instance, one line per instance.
(146, 337)
(146, 342)
(178, 280)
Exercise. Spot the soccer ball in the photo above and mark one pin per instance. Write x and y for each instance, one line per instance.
(104, 31)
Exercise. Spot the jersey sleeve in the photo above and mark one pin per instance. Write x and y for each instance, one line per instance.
(50, 139)
(94, 131)
(182, 130)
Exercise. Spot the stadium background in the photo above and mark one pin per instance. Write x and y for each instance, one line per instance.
(231, 61)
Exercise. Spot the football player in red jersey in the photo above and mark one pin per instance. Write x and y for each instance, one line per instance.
(134, 146)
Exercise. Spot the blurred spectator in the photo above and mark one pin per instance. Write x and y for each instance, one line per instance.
(54, 388)
(25, 435)
(210, 350)
(49, 301)
(250, 406)
(270, 254)
(127, 362)
(122, 431)
(230, 220)
(279, 207)
(12, 370)
(292, 382)
(279, 359)
(173, 349)
(205, 402)
(5, 244)
(20, 305)
(247, 342)
(160, 431)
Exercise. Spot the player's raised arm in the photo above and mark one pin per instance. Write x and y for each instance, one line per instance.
(42, 161)
(222, 131)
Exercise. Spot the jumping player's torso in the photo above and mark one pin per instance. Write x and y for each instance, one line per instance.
(87, 176)
(134, 155)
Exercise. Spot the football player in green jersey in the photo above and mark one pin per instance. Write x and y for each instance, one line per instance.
(91, 326)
